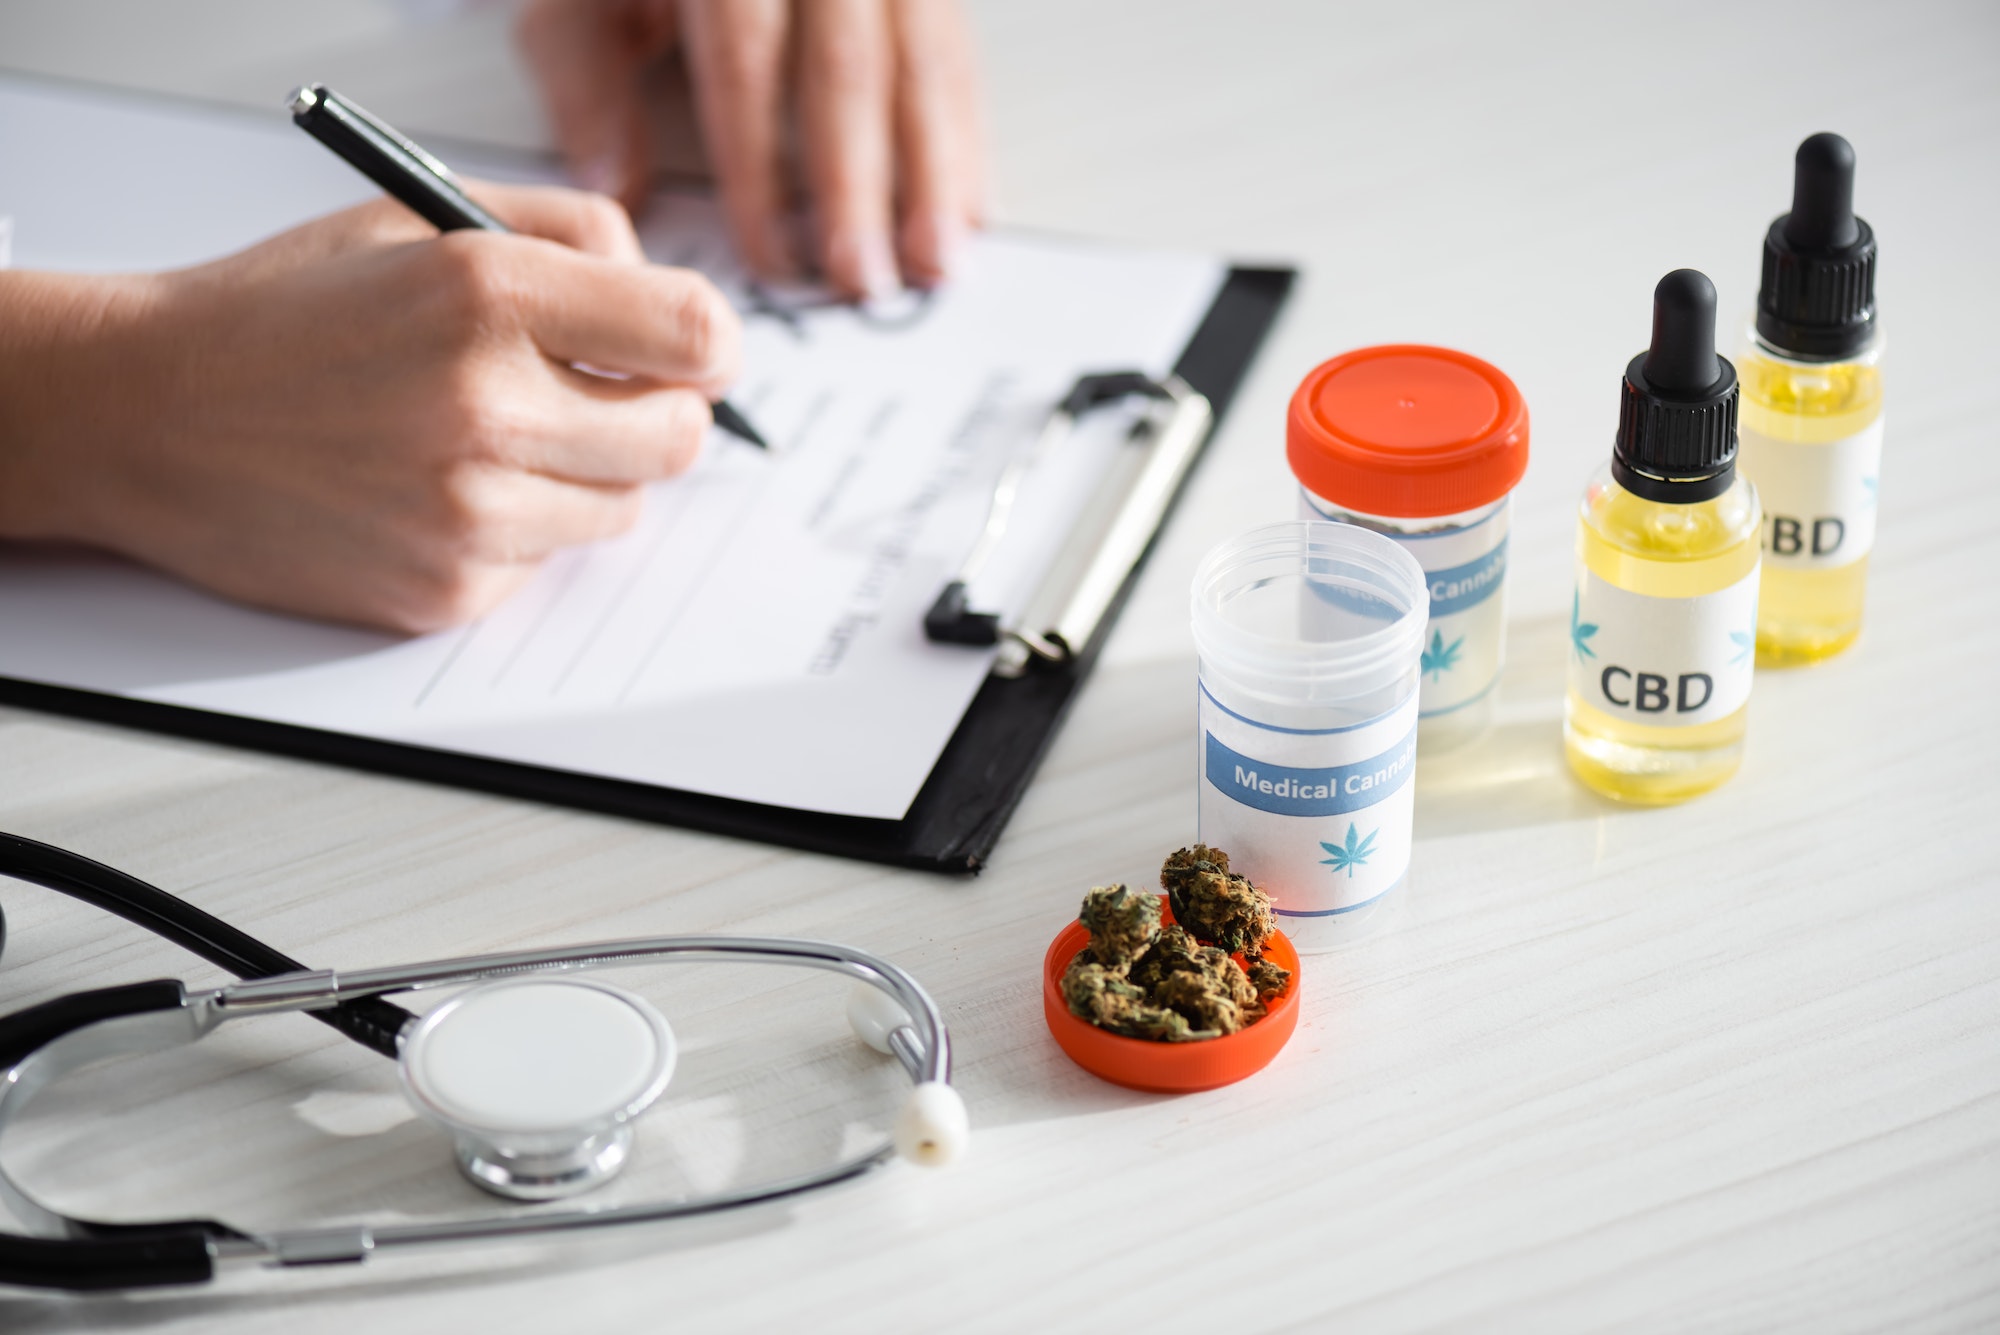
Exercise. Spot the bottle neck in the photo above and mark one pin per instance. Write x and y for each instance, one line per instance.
(1672, 491)
(1866, 353)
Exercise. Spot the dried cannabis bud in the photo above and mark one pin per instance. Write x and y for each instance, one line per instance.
(1103, 998)
(1214, 903)
(1141, 981)
(1201, 982)
(1122, 924)
(1172, 949)
(1269, 980)
(1209, 1002)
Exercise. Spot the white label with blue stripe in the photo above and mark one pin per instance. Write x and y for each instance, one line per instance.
(1320, 818)
(1466, 569)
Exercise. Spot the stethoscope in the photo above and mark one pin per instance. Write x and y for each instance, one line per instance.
(536, 1074)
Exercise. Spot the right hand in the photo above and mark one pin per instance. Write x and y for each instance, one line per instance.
(361, 419)
(880, 96)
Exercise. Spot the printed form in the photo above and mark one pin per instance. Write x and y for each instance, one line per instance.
(759, 634)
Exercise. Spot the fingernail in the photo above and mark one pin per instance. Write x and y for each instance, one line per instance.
(870, 258)
(947, 237)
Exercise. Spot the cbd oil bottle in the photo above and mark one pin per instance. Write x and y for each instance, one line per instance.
(1663, 622)
(1812, 411)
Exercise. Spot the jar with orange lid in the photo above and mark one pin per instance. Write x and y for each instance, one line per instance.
(1423, 445)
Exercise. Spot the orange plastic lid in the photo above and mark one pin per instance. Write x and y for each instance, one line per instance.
(1407, 431)
(1167, 1068)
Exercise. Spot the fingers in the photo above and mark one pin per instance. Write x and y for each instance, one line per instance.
(661, 324)
(603, 432)
(501, 516)
(574, 218)
(937, 136)
(845, 66)
(736, 60)
(589, 56)
(490, 531)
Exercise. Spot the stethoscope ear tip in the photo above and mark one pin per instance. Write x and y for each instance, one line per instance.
(932, 1128)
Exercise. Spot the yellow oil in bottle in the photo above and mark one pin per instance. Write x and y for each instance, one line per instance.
(1811, 410)
(1660, 550)
(1806, 611)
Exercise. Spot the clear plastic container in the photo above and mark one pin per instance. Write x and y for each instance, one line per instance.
(1423, 445)
(1464, 557)
(1309, 637)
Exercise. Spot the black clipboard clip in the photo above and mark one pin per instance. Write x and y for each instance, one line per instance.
(1109, 537)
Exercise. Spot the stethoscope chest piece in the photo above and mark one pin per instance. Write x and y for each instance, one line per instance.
(538, 1080)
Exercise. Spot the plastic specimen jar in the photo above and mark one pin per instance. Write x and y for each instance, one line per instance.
(1308, 636)
(1423, 445)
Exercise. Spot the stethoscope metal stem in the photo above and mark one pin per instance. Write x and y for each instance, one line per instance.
(319, 988)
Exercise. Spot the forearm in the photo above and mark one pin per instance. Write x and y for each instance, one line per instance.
(77, 369)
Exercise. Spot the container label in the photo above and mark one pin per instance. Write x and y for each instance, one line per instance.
(1818, 498)
(1320, 820)
(1664, 662)
(1457, 588)
(1466, 569)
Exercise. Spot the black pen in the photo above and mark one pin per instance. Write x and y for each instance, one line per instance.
(413, 176)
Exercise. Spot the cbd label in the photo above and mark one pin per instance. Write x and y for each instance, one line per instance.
(1466, 570)
(1319, 819)
(1664, 662)
(1819, 499)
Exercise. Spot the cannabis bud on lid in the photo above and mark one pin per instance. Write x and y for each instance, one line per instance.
(1677, 410)
(1818, 295)
(1174, 993)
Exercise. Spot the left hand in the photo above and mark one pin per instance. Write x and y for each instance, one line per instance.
(881, 93)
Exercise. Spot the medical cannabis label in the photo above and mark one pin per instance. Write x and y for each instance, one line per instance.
(1319, 819)
(1465, 571)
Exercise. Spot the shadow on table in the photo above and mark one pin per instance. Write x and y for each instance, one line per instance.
(1514, 776)
(338, 1287)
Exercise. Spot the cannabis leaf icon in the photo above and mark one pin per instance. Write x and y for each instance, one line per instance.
(1355, 854)
(1580, 631)
(1441, 658)
(1745, 642)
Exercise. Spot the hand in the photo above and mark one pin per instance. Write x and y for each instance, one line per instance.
(881, 93)
(361, 419)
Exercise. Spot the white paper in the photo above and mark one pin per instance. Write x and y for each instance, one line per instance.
(758, 635)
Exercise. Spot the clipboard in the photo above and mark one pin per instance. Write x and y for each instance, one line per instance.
(979, 778)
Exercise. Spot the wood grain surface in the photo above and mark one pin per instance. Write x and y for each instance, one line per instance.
(1729, 1066)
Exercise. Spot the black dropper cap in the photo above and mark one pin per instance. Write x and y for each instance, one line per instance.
(1818, 296)
(1677, 412)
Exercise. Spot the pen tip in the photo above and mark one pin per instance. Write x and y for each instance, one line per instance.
(303, 99)
(737, 425)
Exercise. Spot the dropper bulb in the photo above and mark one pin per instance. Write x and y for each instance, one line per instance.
(1682, 357)
(1822, 216)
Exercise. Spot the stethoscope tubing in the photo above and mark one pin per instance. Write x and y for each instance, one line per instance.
(375, 1024)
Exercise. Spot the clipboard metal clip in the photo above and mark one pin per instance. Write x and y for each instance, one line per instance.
(1109, 537)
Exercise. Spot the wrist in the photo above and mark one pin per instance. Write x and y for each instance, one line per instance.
(80, 367)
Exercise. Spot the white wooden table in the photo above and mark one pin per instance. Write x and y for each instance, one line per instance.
(1734, 1065)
